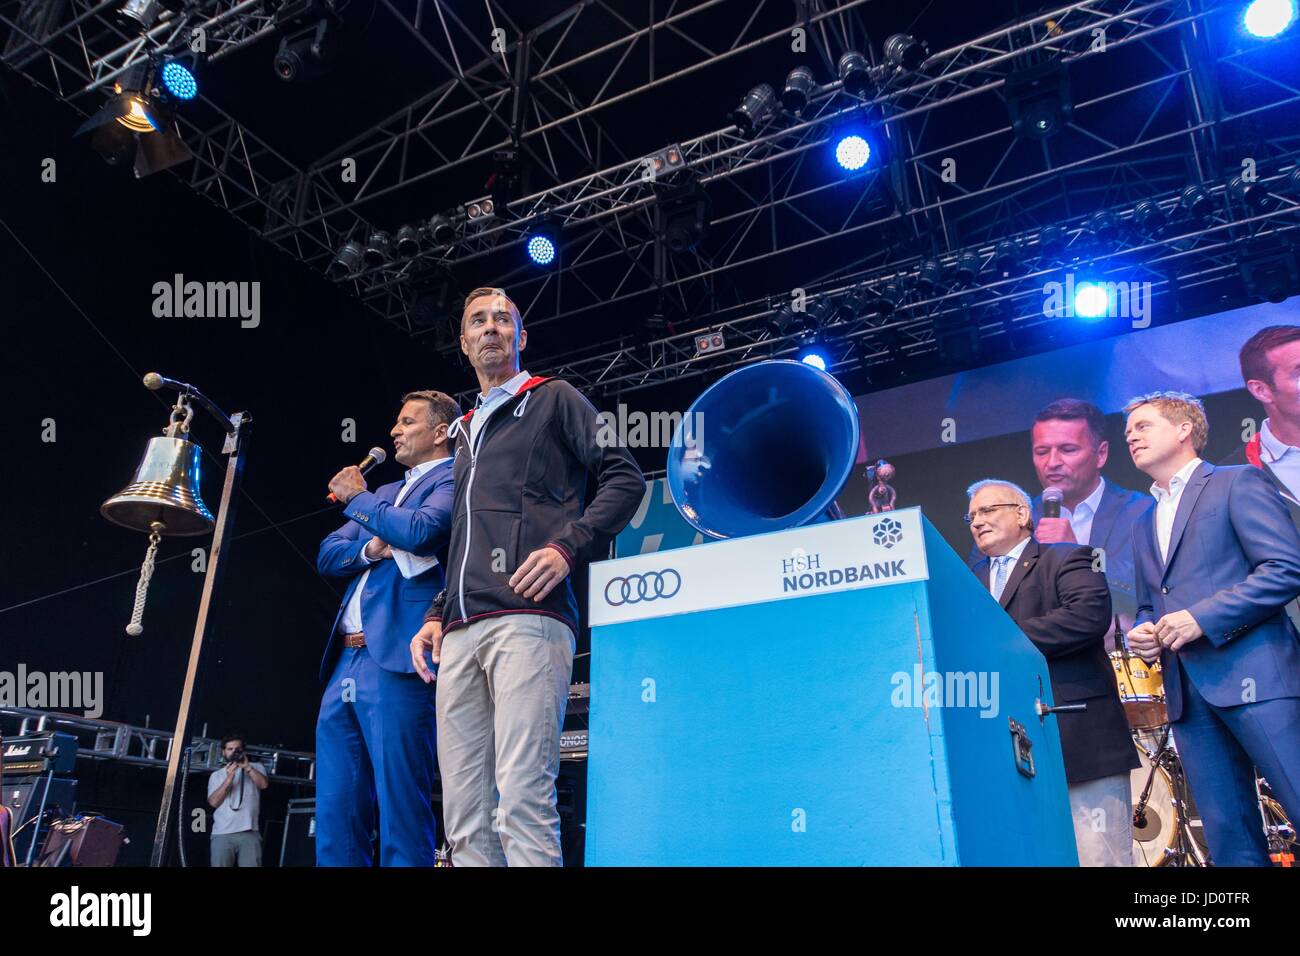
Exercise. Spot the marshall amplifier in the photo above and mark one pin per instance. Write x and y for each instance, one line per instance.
(40, 753)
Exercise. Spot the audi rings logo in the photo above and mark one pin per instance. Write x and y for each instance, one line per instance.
(636, 588)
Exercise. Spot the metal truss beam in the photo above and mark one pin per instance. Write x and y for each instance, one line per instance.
(618, 201)
(1183, 256)
(150, 747)
(771, 199)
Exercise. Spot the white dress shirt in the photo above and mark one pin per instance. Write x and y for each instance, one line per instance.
(408, 564)
(1081, 517)
(1282, 459)
(1010, 559)
(1167, 505)
(487, 404)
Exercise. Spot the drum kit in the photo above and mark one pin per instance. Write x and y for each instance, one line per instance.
(1166, 829)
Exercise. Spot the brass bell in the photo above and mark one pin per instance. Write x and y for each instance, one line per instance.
(165, 488)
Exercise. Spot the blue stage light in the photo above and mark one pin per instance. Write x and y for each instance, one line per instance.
(1267, 18)
(541, 249)
(814, 358)
(1091, 300)
(179, 81)
(852, 152)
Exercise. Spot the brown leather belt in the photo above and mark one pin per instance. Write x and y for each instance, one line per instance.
(355, 640)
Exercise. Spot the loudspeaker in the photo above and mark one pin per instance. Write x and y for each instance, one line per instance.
(29, 798)
(84, 841)
(299, 846)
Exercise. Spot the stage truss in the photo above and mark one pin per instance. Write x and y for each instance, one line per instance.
(1165, 100)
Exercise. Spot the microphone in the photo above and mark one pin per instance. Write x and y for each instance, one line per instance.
(1052, 498)
(153, 381)
(376, 456)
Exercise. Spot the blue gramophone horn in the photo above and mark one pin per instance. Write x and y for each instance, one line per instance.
(765, 448)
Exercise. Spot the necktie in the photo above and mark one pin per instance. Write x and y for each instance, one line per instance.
(1000, 576)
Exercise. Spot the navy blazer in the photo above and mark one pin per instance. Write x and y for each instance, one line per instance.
(1234, 563)
(1118, 513)
(392, 607)
(1063, 606)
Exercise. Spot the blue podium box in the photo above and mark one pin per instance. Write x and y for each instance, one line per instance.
(844, 693)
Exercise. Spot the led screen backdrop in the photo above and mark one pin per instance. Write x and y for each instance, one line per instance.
(943, 434)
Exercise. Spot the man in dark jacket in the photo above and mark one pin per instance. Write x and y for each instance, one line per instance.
(1053, 594)
(503, 631)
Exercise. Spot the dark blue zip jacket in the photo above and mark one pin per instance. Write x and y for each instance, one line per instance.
(522, 487)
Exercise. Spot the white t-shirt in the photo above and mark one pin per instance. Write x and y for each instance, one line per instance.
(238, 812)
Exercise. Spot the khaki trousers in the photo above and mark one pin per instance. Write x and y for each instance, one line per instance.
(503, 683)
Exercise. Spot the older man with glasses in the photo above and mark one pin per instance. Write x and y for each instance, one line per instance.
(1056, 595)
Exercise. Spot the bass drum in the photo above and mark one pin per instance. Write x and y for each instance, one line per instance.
(1155, 828)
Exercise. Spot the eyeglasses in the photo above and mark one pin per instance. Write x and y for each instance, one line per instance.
(987, 511)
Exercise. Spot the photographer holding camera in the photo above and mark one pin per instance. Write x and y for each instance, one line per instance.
(234, 793)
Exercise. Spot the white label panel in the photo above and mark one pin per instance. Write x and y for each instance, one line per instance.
(866, 552)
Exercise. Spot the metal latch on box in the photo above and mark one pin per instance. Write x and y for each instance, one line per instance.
(1022, 748)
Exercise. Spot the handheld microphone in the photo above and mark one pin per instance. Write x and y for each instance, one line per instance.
(1052, 498)
(375, 457)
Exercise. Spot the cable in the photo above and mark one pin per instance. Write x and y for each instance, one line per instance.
(180, 808)
(174, 557)
(158, 395)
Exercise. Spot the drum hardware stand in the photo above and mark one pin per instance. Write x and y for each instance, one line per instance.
(1278, 829)
(1185, 852)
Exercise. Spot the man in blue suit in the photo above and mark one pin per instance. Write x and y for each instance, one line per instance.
(1069, 449)
(1217, 561)
(375, 743)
